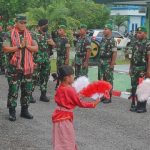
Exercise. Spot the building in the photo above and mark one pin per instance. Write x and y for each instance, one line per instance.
(136, 15)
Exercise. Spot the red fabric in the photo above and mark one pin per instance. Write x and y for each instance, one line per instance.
(101, 87)
(67, 98)
(140, 80)
(17, 57)
(116, 93)
(64, 136)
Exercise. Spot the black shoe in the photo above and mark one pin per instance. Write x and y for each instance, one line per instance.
(12, 114)
(133, 108)
(32, 100)
(25, 113)
(43, 97)
(105, 101)
(141, 107)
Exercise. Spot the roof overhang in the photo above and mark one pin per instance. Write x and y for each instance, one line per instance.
(124, 2)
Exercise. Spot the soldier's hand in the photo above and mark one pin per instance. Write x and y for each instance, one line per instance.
(50, 42)
(23, 43)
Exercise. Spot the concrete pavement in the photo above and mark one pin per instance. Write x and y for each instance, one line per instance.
(108, 127)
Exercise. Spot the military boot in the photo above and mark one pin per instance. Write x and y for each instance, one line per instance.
(133, 106)
(141, 107)
(12, 114)
(43, 97)
(106, 101)
(25, 113)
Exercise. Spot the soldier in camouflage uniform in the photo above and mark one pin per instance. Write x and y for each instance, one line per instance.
(63, 49)
(107, 57)
(83, 50)
(2, 55)
(42, 58)
(19, 45)
(139, 66)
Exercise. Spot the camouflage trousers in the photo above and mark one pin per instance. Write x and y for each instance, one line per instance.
(105, 73)
(80, 70)
(136, 73)
(16, 79)
(3, 62)
(41, 73)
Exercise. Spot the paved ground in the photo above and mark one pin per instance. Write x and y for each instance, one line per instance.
(108, 127)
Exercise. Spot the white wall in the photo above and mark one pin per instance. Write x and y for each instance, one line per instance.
(127, 12)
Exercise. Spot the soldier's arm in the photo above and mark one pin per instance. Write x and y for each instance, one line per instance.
(67, 53)
(33, 47)
(114, 55)
(51, 42)
(8, 48)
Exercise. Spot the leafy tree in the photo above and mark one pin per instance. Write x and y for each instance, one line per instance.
(9, 8)
(119, 20)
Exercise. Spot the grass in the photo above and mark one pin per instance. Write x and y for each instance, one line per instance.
(119, 62)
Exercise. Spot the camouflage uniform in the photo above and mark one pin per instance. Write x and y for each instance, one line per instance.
(62, 43)
(107, 47)
(138, 66)
(42, 60)
(17, 79)
(2, 55)
(83, 44)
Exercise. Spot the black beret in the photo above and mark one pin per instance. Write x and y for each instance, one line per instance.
(42, 22)
(65, 70)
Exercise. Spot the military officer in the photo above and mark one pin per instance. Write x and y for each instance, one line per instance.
(63, 48)
(19, 45)
(82, 52)
(107, 57)
(42, 58)
(139, 66)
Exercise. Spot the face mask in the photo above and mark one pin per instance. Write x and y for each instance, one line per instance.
(45, 29)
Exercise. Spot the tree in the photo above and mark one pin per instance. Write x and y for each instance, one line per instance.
(119, 20)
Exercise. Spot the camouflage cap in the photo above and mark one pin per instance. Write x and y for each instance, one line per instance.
(108, 26)
(84, 26)
(142, 29)
(62, 26)
(20, 17)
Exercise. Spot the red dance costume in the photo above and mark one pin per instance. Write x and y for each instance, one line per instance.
(63, 131)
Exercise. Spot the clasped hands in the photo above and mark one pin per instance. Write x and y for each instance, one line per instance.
(23, 44)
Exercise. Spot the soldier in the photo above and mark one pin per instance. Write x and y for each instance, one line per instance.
(139, 66)
(2, 55)
(107, 57)
(63, 48)
(20, 46)
(45, 44)
(83, 50)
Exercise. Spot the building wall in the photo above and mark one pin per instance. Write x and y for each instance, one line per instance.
(137, 16)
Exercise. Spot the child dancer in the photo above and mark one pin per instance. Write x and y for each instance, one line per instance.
(67, 99)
